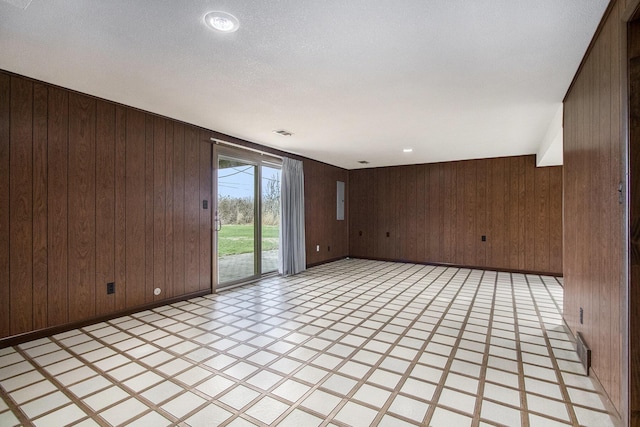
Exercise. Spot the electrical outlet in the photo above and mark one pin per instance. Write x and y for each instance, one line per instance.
(111, 288)
(484, 238)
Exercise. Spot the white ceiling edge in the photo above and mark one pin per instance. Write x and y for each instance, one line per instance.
(22, 4)
(550, 151)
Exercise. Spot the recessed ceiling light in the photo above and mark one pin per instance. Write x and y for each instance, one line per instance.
(222, 22)
(407, 150)
(283, 132)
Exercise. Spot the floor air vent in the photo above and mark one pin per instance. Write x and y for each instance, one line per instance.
(584, 353)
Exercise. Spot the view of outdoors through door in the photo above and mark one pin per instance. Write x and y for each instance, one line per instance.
(247, 220)
(270, 217)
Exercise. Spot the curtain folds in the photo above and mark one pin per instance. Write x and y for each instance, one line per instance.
(292, 255)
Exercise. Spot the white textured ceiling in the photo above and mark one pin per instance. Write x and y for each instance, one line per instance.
(352, 79)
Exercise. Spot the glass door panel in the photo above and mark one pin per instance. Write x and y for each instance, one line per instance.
(270, 230)
(235, 220)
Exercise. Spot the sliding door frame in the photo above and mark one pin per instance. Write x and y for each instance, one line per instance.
(259, 160)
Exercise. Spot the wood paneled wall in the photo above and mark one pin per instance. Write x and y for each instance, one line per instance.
(92, 192)
(322, 227)
(593, 252)
(634, 220)
(439, 212)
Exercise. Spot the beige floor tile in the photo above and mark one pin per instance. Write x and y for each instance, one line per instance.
(352, 328)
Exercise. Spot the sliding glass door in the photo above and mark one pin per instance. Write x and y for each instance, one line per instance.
(247, 216)
(270, 220)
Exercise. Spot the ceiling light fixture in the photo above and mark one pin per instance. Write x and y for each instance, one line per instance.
(222, 22)
(407, 150)
(363, 162)
(283, 132)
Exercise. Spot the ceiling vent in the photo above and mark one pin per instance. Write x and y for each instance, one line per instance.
(283, 132)
(363, 162)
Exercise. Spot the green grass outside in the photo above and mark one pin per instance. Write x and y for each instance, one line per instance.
(238, 239)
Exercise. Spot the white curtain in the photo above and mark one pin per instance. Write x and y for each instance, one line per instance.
(291, 255)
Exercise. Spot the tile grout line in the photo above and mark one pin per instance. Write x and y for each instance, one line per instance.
(454, 347)
(289, 376)
(523, 398)
(563, 388)
(403, 377)
(485, 361)
(380, 304)
(346, 398)
(59, 387)
(13, 407)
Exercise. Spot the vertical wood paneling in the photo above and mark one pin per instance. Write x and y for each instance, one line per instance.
(21, 205)
(40, 112)
(529, 215)
(461, 211)
(602, 145)
(159, 205)
(105, 205)
(356, 230)
(309, 207)
(450, 215)
(321, 225)
(192, 209)
(471, 236)
(5, 134)
(92, 193)
(82, 207)
(411, 226)
(426, 218)
(205, 214)
(178, 210)
(497, 224)
(616, 246)
(135, 208)
(149, 205)
(454, 204)
(511, 213)
(57, 242)
(593, 256)
(436, 219)
(634, 221)
(522, 214)
(542, 223)
(555, 221)
(120, 232)
(388, 209)
(481, 213)
(402, 194)
(168, 286)
(370, 221)
(420, 213)
(380, 208)
(365, 223)
(394, 212)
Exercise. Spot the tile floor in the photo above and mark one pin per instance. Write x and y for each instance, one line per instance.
(354, 342)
